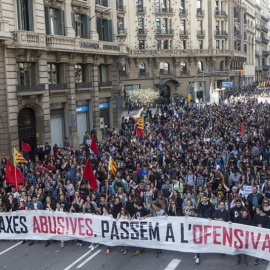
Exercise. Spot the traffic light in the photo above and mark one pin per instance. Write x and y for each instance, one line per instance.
(240, 73)
(189, 98)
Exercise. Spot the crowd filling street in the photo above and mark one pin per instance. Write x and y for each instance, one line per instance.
(206, 161)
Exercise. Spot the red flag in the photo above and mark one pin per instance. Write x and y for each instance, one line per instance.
(139, 132)
(89, 175)
(94, 145)
(25, 147)
(14, 175)
(242, 129)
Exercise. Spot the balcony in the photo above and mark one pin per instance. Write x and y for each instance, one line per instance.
(266, 19)
(183, 12)
(265, 53)
(166, 73)
(221, 34)
(264, 29)
(28, 39)
(266, 67)
(164, 32)
(141, 10)
(103, 3)
(121, 10)
(83, 86)
(200, 33)
(31, 90)
(220, 14)
(237, 35)
(163, 11)
(4, 30)
(258, 27)
(265, 40)
(122, 33)
(258, 39)
(143, 74)
(259, 68)
(105, 84)
(184, 33)
(200, 12)
(184, 73)
(142, 32)
(56, 88)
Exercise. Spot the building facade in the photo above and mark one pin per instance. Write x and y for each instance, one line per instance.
(171, 42)
(59, 70)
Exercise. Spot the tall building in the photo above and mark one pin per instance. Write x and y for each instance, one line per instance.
(172, 42)
(59, 70)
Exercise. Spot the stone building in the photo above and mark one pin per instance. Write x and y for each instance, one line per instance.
(59, 70)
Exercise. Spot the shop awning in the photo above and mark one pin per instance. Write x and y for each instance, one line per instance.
(175, 82)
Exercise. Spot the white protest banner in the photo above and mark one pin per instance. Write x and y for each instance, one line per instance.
(189, 234)
(246, 190)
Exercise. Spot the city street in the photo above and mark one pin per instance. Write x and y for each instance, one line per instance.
(15, 256)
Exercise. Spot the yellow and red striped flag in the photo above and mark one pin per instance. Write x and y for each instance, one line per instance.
(112, 166)
(140, 126)
(18, 157)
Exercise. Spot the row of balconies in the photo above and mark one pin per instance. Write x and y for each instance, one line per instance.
(29, 39)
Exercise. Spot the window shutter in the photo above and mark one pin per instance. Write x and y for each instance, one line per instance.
(30, 13)
(19, 11)
(99, 28)
(73, 20)
(61, 22)
(86, 26)
(47, 20)
(109, 31)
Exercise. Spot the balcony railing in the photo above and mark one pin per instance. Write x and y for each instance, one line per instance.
(122, 32)
(141, 10)
(84, 85)
(36, 88)
(143, 74)
(237, 34)
(161, 10)
(103, 3)
(124, 74)
(200, 33)
(265, 67)
(265, 40)
(184, 32)
(265, 53)
(264, 29)
(29, 39)
(220, 13)
(221, 33)
(142, 31)
(56, 87)
(4, 30)
(160, 31)
(265, 18)
(258, 39)
(166, 73)
(183, 12)
(200, 12)
(185, 73)
(105, 84)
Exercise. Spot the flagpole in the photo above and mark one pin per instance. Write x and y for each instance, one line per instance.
(107, 185)
(15, 169)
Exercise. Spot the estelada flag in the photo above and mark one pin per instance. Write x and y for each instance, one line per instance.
(88, 174)
(242, 128)
(112, 166)
(94, 145)
(140, 126)
(25, 147)
(14, 175)
(18, 157)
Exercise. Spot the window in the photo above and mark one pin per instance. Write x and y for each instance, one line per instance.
(200, 44)
(199, 25)
(120, 24)
(119, 5)
(140, 5)
(199, 4)
(184, 44)
(142, 69)
(183, 68)
(182, 26)
(165, 44)
(123, 71)
(164, 68)
(81, 25)
(55, 21)
(159, 44)
(25, 15)
(140, 25)
(200, 66)
(104, 73)
(221, 66)
(182, 4)
(217, 44)
(104, 29)
(141, 44)
(26, 74)
(80, 73)
(53, 73)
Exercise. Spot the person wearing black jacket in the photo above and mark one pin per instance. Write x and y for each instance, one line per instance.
(244, 219)
(205, 208)
(260, 220)
(255, 198)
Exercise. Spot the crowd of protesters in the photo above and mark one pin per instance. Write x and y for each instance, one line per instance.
(207, 161)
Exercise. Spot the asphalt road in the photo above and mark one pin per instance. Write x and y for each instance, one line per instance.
(16, 256)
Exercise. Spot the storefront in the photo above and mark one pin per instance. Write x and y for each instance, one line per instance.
(104, 116)
(82, 121)
(57, 127)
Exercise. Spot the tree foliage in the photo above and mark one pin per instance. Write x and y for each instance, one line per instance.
(143, 95)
